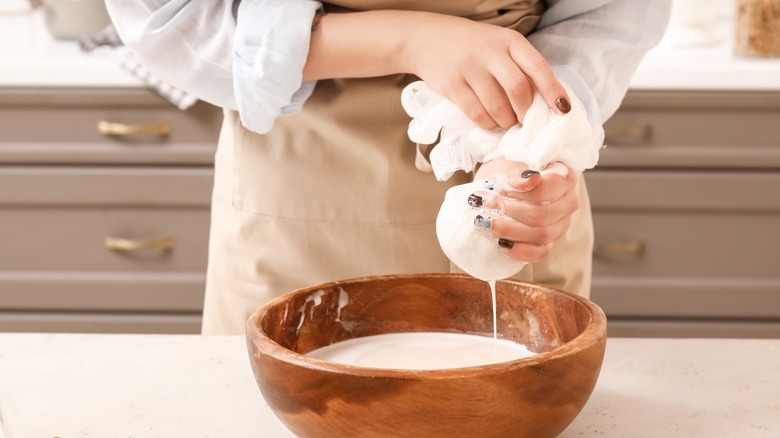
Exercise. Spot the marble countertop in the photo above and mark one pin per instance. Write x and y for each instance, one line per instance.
(30, 57)
(198, 386)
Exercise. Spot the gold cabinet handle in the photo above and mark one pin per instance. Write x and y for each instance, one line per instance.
(122, 129)
(638, 132)
(126, 245)
(633, 247)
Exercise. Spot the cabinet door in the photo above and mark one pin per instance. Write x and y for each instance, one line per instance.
(687, 245)
(103, 239)
(93, 322)
(124, 127)
(703, 130)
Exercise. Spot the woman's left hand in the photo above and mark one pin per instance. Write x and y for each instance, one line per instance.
(538, 208)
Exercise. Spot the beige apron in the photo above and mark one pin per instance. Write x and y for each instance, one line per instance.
(332, 192)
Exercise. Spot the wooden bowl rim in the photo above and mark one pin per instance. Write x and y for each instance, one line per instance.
(591, 335)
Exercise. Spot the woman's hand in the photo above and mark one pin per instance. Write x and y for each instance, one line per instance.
(489, 72)
(538, 208)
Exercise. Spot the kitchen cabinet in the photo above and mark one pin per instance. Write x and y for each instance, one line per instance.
(685, 207)
(104, 210)
(686, 210)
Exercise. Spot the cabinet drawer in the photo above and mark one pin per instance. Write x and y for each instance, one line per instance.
(685, 244)
(56, 259)
(83, 186)
(665, 328)
(53, 234)
(100, 323)
(60, 218)
(65, 127)
(689, 129)
(74, 239)
(55, 291)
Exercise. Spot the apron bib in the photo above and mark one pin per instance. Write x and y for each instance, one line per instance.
(332, 192)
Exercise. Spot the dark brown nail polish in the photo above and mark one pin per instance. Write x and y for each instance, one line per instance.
(475, 200)
(528, 173)
(506, 243)
(482, 222)
(563, 105)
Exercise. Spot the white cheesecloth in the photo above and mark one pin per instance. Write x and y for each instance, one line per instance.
(545, 137)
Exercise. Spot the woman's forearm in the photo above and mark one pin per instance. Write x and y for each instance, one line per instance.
(360, 44)
(488, 71)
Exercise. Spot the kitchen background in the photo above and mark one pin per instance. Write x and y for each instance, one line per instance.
(105, 184)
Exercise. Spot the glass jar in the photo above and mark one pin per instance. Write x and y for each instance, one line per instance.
(757, 28)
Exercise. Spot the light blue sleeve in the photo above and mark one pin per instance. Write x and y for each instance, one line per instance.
(595, 46)
(246, 56)
(272, 43)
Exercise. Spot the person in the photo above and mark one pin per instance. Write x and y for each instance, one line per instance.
(315, 177)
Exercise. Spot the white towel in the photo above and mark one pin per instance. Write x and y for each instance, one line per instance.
(107, 43)
(545, 137)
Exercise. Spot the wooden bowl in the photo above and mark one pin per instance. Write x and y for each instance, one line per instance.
(533, 397)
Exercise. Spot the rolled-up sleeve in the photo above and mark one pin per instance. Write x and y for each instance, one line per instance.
(596, 46)
(272, 43)
(246, 56)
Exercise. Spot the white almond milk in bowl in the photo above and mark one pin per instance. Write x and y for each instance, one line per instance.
(415, 356)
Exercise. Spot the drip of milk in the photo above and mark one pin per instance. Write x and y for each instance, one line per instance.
(492, 284)
(421, 351)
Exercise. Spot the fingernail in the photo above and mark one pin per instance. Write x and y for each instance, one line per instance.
(563, 105)
(528, 173)
(482, 222)
(488, 185)
(506, 243)
(475, 200)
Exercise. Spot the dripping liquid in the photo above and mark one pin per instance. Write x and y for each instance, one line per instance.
(492, 284)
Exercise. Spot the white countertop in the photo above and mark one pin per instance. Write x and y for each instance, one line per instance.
(705, 68)
(674, 65)
(197, 386)
(30, 57)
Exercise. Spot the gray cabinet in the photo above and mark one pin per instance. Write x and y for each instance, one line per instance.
(104, 210)
(105, 193)
(686, 203)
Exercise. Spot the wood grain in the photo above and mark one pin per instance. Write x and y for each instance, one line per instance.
(533, 397)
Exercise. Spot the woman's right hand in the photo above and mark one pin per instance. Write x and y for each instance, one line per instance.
(489, 72)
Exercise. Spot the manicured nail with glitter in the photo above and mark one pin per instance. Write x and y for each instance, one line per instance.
(475, 200)
(489, 185)
(506, 243)
(482, 222)
(528, 173)
(563, 105)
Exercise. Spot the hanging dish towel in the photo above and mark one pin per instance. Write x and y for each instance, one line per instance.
(107, 43)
